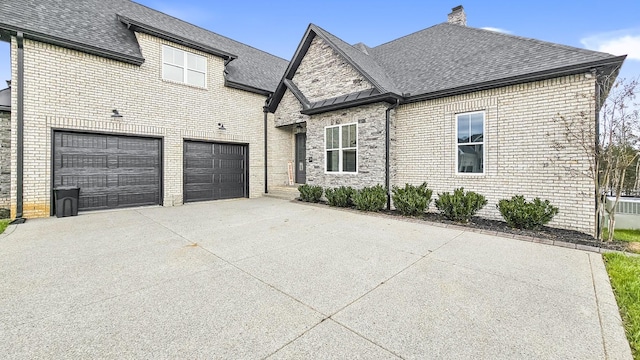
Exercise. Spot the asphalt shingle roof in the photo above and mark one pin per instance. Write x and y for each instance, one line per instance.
(95, 24)
(447, 56)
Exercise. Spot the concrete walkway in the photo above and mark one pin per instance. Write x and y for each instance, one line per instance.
(267, 278)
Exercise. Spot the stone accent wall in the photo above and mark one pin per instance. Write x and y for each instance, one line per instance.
(371, 146)
(5, 160)
(288, 111)
(519, 158)
(324, 74)
(67, 89)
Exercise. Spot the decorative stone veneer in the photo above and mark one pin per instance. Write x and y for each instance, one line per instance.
(519, 158)
(5, 160)
(67, 89)
(371, 146)
(289, 110)
(324, 74)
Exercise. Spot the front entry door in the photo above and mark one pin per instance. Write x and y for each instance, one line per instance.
(301, 158)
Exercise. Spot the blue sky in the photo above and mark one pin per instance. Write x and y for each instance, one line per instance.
(277, 26)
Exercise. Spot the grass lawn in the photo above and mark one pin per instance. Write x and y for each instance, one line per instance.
(624, 272)
(3, 224)
(623, 235)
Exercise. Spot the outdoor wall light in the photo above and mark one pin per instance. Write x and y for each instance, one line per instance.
(221, 126)
(115, 114)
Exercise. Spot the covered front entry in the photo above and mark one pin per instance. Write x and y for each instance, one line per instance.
(215, 171)
(112, 171)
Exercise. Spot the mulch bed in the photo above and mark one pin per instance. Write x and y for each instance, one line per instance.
(482, 224)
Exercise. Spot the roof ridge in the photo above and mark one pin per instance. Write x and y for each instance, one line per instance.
(201, 28)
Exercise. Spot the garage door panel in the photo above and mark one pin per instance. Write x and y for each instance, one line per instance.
(214, 171)
(112, 171)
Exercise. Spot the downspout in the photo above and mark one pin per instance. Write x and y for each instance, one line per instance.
(387, 160)
(20, 132)
(598, 90)
(265, 110)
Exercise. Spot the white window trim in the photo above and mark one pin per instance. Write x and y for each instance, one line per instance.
(484, 143)
(341, 149)
(185, 68)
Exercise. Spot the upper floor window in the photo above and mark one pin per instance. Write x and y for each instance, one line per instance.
(470, 146)
(341, 148)
(184, 67)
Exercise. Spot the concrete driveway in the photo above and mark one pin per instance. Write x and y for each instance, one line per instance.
(267, 278)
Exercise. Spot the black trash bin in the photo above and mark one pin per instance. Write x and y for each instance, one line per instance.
(66, 200)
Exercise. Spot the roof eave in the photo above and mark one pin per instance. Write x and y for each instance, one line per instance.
(387, 97)
(536, 76)
(69, 44)
(249, 88)
(5, 108)
(150, 30)
(298, 94)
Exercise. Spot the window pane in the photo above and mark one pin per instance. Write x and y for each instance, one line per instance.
(470, 158)
(476, 127)
(335, 144)
(349, 161)
(332, 160)
(345, 136)
(463, 129)
(173, 73)
(178, 57)
(195, 78)
(167, 54)
(352, 136)
(195, 62)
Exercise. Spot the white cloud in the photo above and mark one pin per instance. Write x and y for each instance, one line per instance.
(622, 42)
(495, 29)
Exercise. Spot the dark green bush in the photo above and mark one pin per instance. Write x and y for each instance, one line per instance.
(370, 198)
(411, 200)
(460, 206)
(310, 193)
(340, 196)
(521, 214)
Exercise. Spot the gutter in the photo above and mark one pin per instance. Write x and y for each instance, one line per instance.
(387, 160)
(20, 132)
(514, 80)
(69, 44)
(252, 89)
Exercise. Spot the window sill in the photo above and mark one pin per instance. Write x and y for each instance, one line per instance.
(185, 84)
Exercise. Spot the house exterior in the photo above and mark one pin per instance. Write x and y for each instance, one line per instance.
(139, 108)
(450, 105)
(133, 106)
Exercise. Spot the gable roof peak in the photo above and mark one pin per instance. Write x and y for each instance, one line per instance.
(362, 47)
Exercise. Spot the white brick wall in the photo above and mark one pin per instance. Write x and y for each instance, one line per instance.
(519, 158)
(67, 89)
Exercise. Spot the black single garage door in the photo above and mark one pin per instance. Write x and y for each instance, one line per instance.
(112, 171)
(214, 171)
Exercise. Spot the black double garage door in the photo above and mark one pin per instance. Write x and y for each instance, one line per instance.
(116, 171)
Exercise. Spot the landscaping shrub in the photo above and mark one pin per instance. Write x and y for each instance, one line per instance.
(460, 206)
(370, 198)
(340, 196)
(310, 193)
(411, 200)
(521, 214)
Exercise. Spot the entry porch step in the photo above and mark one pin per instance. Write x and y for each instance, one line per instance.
(283, 192)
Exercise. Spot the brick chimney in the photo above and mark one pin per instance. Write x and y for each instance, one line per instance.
(457, 16)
